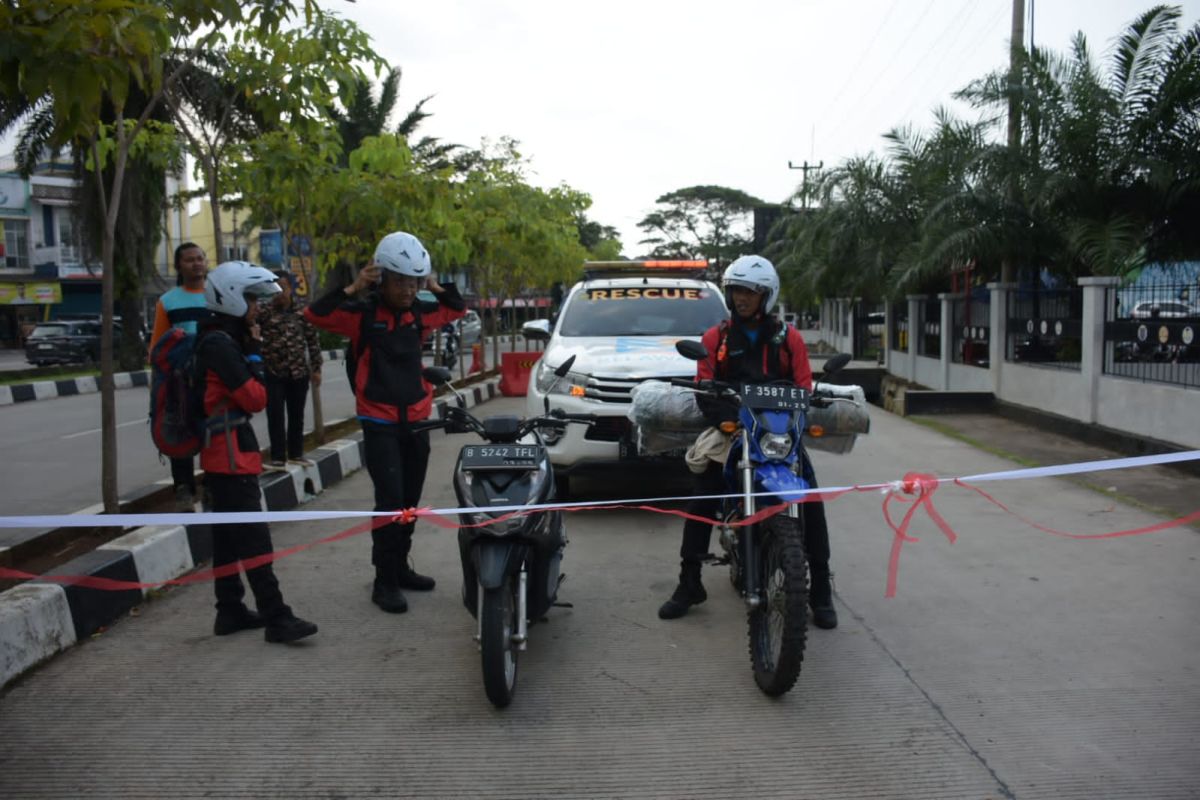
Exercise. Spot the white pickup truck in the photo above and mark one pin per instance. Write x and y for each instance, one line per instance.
(621, 323)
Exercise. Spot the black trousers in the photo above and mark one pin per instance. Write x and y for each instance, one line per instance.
(286, 397)
(183, 472)
(239, 541)
(396, 460)
(696, 534)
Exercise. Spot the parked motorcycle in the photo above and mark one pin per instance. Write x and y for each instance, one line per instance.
(510, 563)
(767, 561)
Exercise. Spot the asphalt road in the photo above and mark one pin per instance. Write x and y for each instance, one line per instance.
(1011, 664)
(51, 460)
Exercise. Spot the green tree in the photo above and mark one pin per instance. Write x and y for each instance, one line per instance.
(264, 79)
(603, 242)
(712, 222)
(364, 117)
(74, 58)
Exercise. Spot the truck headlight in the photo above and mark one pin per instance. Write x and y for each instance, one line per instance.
(573, 383)
(775, 445)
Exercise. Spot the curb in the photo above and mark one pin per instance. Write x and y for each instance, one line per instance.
(39, 619)
(11, 394)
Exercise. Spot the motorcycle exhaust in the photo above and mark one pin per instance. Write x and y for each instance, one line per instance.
(521, 638)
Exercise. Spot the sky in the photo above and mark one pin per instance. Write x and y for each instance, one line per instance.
(630, 100)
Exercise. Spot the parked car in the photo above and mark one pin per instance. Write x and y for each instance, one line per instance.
(1163, 309)
(65, 342)
(470, 328)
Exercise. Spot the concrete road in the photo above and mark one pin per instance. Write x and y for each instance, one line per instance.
(1012, 664)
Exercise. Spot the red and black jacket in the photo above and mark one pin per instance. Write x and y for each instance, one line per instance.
(228, 363)
(777, 353)
(388, 386)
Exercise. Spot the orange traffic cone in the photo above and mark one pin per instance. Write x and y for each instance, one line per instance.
(477, 358)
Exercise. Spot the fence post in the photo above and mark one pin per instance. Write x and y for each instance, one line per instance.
(1091, 336)
(947, 339)
(852, 334)
(886, 339)
(998, 333)
(916, 329)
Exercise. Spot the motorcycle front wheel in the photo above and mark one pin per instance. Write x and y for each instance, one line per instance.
(498, 623)
(778, 626)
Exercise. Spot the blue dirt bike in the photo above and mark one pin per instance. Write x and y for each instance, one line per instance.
(767, 561)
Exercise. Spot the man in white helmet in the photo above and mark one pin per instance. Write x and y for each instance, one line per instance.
(751, 346)
(230, 370)
(386, 332)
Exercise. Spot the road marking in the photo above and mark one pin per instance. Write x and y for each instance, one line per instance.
(142, 421)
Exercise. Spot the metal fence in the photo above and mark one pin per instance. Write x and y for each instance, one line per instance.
(1152, 332)
(868, 331)
(898, 336)
(970, 320)
(930, 341)
(1044, 326)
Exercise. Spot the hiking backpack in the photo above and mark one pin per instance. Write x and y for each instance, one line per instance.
(176, 402)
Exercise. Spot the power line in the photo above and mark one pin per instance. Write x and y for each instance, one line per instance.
(858, 105)
(970, 45)
(858, 64)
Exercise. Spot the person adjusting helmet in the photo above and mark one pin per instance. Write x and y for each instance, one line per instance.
(229, 285)
(751, 347)
(386, 329)
(756, 274)
(229, 369)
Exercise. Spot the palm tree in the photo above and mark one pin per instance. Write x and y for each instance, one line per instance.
(365, 116)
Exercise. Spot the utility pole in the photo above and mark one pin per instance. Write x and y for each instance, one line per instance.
(1016, 48)
(804, 181)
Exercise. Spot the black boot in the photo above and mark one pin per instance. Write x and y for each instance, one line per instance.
(239, 618)
(386, 593)
(820, 599)
(408, 578)
(288, 628)
(690, 592)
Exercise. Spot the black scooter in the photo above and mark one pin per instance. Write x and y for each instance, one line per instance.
(510, 563)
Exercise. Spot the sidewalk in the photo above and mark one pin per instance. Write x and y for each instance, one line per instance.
(1010, 664)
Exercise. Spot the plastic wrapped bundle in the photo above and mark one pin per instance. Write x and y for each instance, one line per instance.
(842, 421)
(666, 418)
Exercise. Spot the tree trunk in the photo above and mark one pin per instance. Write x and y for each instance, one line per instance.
(214, 201)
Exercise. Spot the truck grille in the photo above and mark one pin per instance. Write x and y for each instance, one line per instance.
(610, 390)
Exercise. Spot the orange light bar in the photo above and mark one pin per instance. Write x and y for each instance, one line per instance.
(816, 431)
(729, 427)
(577, 391)
(637, 265)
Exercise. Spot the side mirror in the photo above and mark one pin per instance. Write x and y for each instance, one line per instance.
(835, 364)
(436, 375)
(691, 350)
(537, 330)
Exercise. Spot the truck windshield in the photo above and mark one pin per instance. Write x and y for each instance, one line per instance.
(642, 311)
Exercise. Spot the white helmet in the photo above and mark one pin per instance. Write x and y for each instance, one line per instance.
(403, 253)
(752, 272)
(226, 288)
